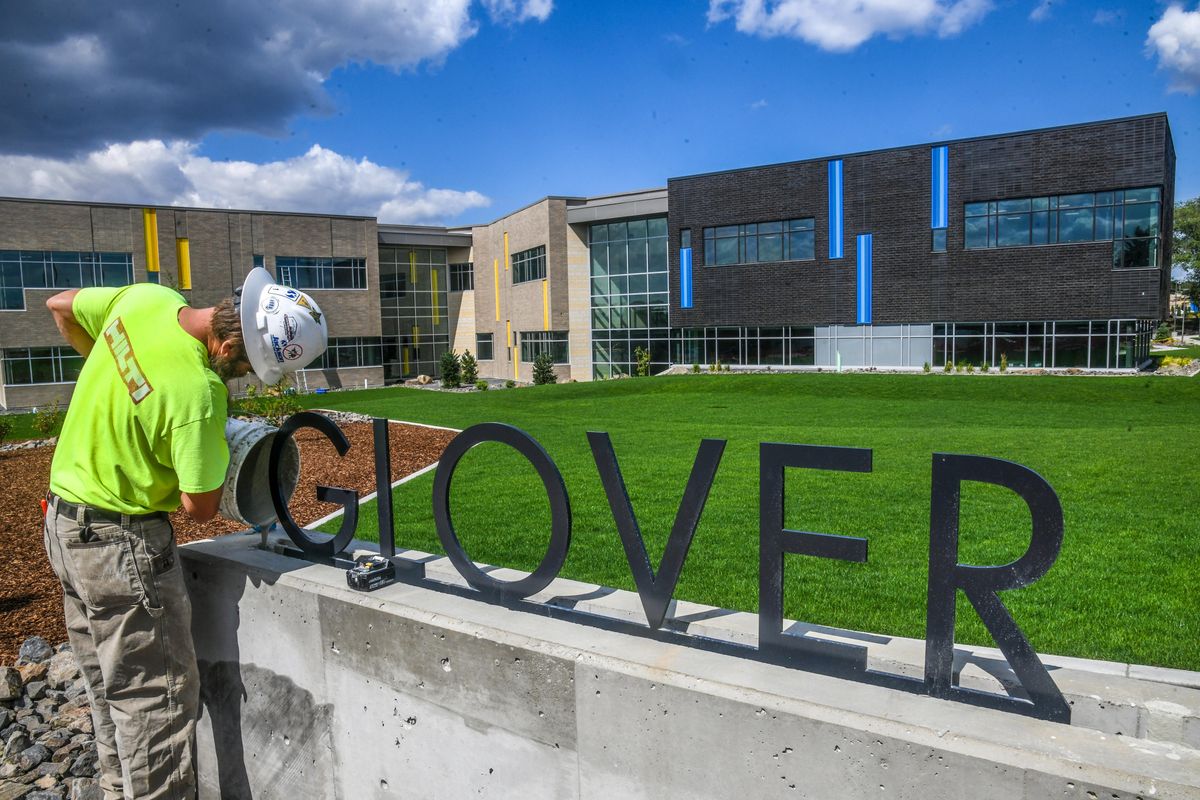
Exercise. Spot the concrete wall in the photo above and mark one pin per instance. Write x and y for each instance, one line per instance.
(312, 690)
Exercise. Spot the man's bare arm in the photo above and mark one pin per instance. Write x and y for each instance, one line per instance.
(203, 506)
(60, 306)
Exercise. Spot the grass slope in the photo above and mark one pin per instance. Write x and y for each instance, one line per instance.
(1120, 452)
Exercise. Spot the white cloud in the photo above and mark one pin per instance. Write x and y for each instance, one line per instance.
(76, 79)
(1042, 11)
(758, 104)
(510, 12)
(842, 25)
(172, 173)
(1175, 39)
(1106, 17)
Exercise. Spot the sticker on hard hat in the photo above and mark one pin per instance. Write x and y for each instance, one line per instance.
(316, 315)
(284, 291)
(293, 351)
(302, 301)
(270, 305)
(290, 328)
(277, 346)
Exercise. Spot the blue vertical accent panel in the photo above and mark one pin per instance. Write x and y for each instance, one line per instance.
(835, 209)
(939, 199)
(685, 277)
(864, 279)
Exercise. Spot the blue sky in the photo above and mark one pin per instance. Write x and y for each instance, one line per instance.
(477, 108)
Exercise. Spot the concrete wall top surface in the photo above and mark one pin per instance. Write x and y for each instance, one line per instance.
(438, 692)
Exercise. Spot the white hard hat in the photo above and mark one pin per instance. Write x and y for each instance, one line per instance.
(283, 328)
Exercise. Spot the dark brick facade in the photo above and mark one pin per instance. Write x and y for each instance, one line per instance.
(887, 194)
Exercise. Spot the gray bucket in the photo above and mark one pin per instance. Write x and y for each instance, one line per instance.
(247, 495)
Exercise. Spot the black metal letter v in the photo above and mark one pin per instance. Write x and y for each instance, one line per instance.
(656, 591)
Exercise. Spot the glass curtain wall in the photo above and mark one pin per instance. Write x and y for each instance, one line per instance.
(1094, 344)
(413, 282)
(630, 299)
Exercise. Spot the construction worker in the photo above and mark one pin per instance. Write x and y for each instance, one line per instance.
(145, 431)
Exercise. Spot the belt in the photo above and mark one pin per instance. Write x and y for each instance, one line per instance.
(92, 513)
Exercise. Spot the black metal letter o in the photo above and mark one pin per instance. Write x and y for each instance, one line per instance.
(556, 491)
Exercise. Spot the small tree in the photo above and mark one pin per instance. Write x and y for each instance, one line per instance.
(451, 370)
(642, 356)
(470, 368)
(1003, 362)
(1163, 333)
(543, 370)
(5, 429)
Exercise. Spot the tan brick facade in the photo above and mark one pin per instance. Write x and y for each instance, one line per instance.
(222, 247)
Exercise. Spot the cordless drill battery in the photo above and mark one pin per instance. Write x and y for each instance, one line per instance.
(370, 573)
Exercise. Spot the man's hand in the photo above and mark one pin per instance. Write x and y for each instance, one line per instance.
(203, 506)
(60, 306)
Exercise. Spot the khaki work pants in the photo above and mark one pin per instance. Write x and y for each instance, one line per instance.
(129, 623)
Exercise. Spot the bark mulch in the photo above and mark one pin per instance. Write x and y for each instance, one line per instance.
(30, 595)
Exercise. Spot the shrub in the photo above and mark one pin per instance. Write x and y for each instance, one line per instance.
(927, 367)
(1003, 362)
(984, 367)
(961, 366)
(481, 385)
(272, 408)
(1175, 361)
(642, 356)
(695, 369)
(1163, 333)
(48, 420)
(470, 369)
(5, 429)
(970, 368)
(451, 370)
(510, 384)
(948, 368)
(543, 370)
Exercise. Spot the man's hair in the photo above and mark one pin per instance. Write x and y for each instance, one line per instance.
(227, 327)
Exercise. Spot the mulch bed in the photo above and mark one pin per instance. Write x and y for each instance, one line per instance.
(30, 595)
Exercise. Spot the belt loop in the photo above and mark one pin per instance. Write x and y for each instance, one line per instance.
(125, 522)
(80, 512)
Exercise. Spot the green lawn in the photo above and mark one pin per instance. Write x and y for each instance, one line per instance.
(1185, 352)
(1121, 452)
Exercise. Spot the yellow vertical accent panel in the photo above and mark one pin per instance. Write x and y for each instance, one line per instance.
(416, 334)
(496, 282)
(183, 258)
(150, 232)
(507, 260)
(545, 304)
(437, 314)
(516, 370)
(412, 267)
(508, 342)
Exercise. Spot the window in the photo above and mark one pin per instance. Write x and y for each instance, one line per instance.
(28, 365)
(301, 272)
(758, 242)
(483, 347)
(259, 261)
(1128, 217)
(351, 351)
(54, 269)
(529, 265)
(552, 342)
(685, 238)
(938, 241)
(462, 277)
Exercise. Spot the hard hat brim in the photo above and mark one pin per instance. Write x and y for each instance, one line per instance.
(252, 290)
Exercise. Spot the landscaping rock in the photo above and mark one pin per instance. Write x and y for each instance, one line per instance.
(32, 672)
(15, 744)
(34, 650)
(85, 766)
(85, 789)
(13, 791)
(10, 683)
(35, 690)
(41, 795)
(31, 757)
(63, 670)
